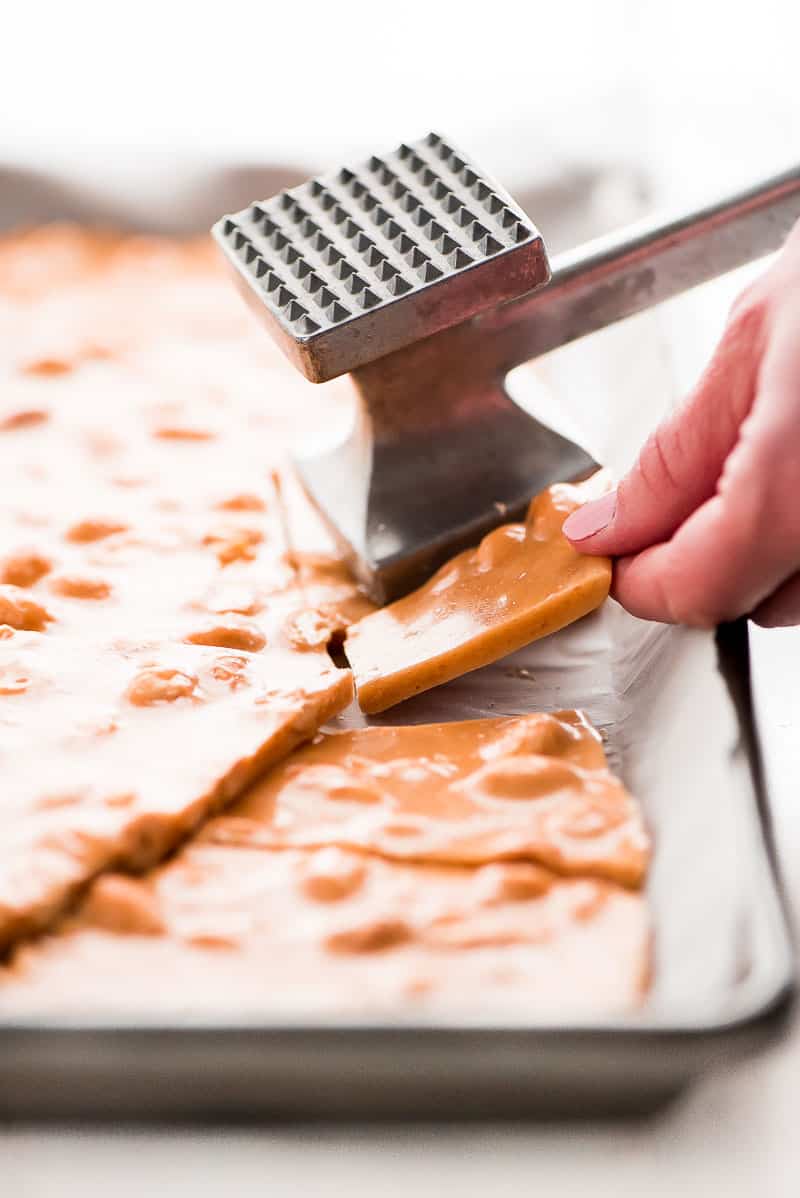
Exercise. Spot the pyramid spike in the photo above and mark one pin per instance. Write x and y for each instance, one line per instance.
(282, 296)
(459, 259)
(295, 310)
(368, 299)
(398, 285)
(489, 245)
(429, 273)
(337, 312)
(307, 327)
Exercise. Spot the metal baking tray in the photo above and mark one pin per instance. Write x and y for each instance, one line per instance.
(678, 715)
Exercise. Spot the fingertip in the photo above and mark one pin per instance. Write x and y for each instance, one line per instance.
(590, 519)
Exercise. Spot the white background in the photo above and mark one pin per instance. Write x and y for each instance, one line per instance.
(700, 94)
(303, 80)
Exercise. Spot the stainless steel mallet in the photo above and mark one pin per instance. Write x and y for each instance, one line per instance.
(418, 274)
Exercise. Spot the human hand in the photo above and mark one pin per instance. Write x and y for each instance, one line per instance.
(706, 526)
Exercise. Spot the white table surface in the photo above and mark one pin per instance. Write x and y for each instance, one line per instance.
(711, 88)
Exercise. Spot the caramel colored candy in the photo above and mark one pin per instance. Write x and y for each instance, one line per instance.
(25, 567)
(231, 633)
(80, 586)
(114, 756)
(153, 686)
(409, 939)
(145, 578)
(20, 612)
(523, 582)
(94, 530)
(530, 788)
(165, 611)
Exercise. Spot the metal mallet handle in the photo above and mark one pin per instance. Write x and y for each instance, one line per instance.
(621, 274)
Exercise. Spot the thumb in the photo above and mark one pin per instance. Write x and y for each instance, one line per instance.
(680, 464)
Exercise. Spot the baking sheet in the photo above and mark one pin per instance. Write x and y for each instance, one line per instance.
(655, 692)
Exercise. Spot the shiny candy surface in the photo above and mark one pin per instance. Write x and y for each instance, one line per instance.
(523, 582)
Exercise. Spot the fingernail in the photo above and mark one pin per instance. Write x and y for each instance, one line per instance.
(592, 518)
